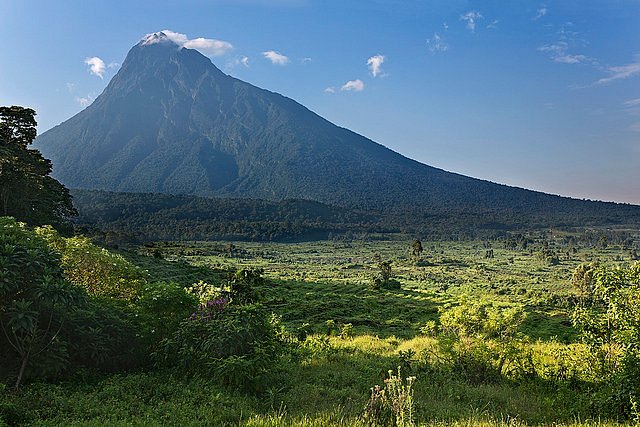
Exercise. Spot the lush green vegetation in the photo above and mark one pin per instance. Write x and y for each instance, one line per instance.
(116, 218)
(535, 329)
(27, 191)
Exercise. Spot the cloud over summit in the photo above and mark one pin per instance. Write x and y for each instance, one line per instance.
(209, 47)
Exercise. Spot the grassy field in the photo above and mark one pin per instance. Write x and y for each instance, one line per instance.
(351, 335)
(313, 282)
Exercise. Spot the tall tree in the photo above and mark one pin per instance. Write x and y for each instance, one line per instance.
(27, 192)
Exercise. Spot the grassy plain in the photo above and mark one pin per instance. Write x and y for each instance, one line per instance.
(319, 287)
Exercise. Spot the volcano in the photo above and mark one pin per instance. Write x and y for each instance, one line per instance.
(171, 122)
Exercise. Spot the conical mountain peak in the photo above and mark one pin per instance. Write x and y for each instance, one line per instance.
(171, 122)
(159, 37)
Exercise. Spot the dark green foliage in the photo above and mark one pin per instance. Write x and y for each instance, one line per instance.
(235, 343)
(27, 192)
(243, 286)
(107, 336)
(163, 306)
(124, 217)
(609, 320)
(35, 299)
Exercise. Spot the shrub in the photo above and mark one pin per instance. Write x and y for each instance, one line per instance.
(162, 306)
(34, 301)
(392, 405)
(481, 342)
(609, 322)
(100, 272)
(237, 344)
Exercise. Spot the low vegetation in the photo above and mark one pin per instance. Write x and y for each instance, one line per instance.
(295, 334)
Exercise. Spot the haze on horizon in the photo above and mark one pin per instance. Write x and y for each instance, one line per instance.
(540, 95)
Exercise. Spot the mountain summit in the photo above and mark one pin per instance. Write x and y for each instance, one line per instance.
(153, 38)
(171, 122)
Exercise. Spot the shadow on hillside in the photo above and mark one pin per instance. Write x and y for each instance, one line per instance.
(377, 312)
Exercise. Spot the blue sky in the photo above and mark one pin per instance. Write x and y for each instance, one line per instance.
(542, 95)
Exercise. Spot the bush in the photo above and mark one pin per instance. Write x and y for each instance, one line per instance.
(609, 321)
(237, 344)
(162, 307)
(481, 342)
(100, 272)
(34, 301)
(392, 405)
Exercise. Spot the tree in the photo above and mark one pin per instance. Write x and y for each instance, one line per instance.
(609, 322)
(27, 192)
(416, 249)
(34, 300)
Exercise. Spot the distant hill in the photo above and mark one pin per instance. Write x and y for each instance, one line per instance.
(171, 122)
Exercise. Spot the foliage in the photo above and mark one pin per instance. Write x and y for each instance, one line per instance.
(416, 249)
(610, 325)
(235, 343)
(100, 272)
(383, 278)
(162, 306)
(27, 192)
(481, 319)
(392, 405)
(34, 300)
(481, 342)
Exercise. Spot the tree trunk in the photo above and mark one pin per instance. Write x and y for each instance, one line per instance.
(25, 359)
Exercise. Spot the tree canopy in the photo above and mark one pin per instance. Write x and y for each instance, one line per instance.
(27, 191)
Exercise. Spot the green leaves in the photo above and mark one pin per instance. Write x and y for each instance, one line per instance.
(22, 318)
(27, 192)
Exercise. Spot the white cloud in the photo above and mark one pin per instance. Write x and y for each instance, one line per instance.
(558, 53)
(540, 13)
(209, 47)
(621, 72)
(632, 103)
(276, 57)
(445, 26)
(96, 66)
(375, 64)
(494, 24)
(71, 87)
(242, 60)
(437, 44)
(330, 89)
(84, 101)
(471, 18)
(353, 85)
(113, 65)
(306, 60)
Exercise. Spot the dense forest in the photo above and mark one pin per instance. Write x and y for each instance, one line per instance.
(143, 217)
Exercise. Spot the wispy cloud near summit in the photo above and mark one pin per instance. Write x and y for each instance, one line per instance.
(209, 47)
